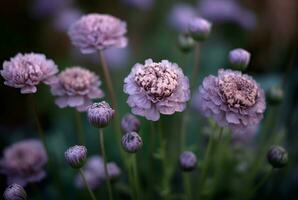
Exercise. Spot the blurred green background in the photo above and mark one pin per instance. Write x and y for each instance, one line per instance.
(41, 26)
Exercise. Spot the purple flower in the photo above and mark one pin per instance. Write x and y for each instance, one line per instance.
(232, 99)
(26, 71)
(95, 32)
(76, 87)
(15, 192)
(239, 58)
(221, 11)
(76, 156)
(23, 162)
(131, 142)
(117, 57)
(187, 161)
(180, 16)
(199, 28)
(65, 18)
(155, 88)
(100, 114)
(130, 123)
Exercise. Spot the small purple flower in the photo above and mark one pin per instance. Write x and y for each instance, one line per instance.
(113, 170)
(117, 58)
(155, 88)
(277, 156)
(180, 15)
(232, 99)
(188, 161)
(199, 28)
(15, 192)
(95, 32)
(239, 58)
(76, 87)
(100, 114)
(131, 142)
(76, 156)
(130, 123)
(26, 71)
(23, 162)
(92, 179)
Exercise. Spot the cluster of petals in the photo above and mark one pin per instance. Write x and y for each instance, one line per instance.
(76, 87)
(156, 88)
(26, 71)
(232, 99)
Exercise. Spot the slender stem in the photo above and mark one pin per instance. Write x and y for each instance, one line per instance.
(187, 185)
(135, 176)
(166, 189)
(79, 131)
(38, 124)
(87, 185)
(262, 181)
(196, 68)
(105, 163)
(207, 157)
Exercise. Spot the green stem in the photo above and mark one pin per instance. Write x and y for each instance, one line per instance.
(196, 68)
(79, 131)
(166, 189)
(207, 157)
(105, 163)
(87, 185)
(135, 176)
(262, 181)
(187, 185)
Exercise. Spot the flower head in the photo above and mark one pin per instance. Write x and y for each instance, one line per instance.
(23, 162)
(76, 87)
(100, 114)
(232, 99)
(131, 142)
(76, 156)
(199, 28)
(239, 58)
(155, 88)
(186, 43)
(94, 32)
(277, 156)
(113, 170)
(130, 123)
(15, 192)
(26, 71)
(188, 161)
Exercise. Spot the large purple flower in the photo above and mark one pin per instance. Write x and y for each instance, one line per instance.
(25, 71)
(94, 32)
(23, 162)
(76, 87)
(232, 99)
(155, 88)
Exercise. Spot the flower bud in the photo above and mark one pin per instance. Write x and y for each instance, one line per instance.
(131, 142)
(188, 161)
(199, 29)
(277, 156)
(185, 43)
(100, 114)
(15, 192)
(130, 123)
(76, 156)
(275, 95)
(239, 59)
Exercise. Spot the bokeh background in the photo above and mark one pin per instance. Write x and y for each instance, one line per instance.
(267, 28)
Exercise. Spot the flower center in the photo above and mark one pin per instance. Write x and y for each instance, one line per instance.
(76, 79)
(238, 91)
(157, 80)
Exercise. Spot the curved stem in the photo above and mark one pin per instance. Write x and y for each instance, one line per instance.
(262, 181)
(79, 131)
(102, 147)
(87, 185)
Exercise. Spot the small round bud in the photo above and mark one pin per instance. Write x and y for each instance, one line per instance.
(15, 192)
(76, 156)
(100, 114)
(185, 43)
(113, 170)
(130, 123)
(131, 142)
(188, 161)
(199, 29)
(275, 95)
(239, 59)
(277, 156)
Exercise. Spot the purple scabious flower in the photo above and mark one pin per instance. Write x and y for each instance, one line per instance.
(76, 87)
(23, 162)
(232, 99)
(199, 28)
(15, 192)
(156, 88)
(187, 161)
(239, 58)
(100, 114)
(95, 32)
(130, 123)
(180, 16)
(76, 156)
(26, 71)
(131, 142)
